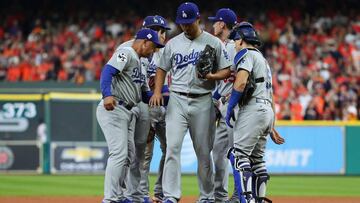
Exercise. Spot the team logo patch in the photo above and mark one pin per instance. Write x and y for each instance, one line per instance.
(121, 58)
(149, 36)
(184, 15)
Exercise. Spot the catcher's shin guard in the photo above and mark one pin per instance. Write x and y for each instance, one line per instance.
(259, 181)
(242, 176)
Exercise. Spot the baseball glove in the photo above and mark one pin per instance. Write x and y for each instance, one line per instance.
(206, 62)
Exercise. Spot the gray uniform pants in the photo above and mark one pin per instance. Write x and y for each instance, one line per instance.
(223, 141)
(197, 115)
(251, 128)
(117, 126)
(144, 183)
(142, 127)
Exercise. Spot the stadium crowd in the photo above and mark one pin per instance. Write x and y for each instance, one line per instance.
(315, 58)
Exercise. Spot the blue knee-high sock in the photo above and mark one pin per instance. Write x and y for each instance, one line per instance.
(237, 177)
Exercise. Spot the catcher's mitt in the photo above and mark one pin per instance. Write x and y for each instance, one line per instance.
(206, 62)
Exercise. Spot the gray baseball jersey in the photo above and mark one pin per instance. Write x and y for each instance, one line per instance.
(255, 62)
(224, 87)
(180, 56)
(126, 85)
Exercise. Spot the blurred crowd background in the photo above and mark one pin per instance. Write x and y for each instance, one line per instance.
(313, 46)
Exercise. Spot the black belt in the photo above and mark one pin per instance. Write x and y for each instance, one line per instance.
(127, 106)
(191, 95)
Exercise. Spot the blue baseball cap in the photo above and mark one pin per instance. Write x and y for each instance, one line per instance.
(226, 15)
(157, 20)
(187, 13)
(150, 35)
(162, 22)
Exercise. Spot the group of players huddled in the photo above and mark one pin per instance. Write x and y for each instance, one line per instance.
(153, 90)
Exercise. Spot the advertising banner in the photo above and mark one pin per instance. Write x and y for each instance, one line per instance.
(308, 150)
(19, 157)
(78, 157)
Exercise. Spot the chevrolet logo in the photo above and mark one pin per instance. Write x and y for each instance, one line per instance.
(82, 154)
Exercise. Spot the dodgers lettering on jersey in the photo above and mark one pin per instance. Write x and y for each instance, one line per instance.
(144, 65)
(180, 56)
(254, 61)
(224, 87)
(126, 85)
(181, 61)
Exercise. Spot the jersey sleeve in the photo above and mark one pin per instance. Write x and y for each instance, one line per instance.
(153, 65)
(120, 59)
(231, 51)
(245, 63)
(222, 56)
(165, 58)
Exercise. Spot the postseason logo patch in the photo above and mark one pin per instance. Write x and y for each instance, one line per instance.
(121, 57)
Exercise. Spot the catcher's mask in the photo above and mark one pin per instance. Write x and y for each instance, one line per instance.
(245, 31)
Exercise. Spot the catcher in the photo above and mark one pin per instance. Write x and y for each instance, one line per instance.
(252, 91)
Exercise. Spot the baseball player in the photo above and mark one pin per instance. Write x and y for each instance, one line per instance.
(190, 104)
(157, 121)
(121, 86)
(142, 123)
(224, 20)
(255, 117)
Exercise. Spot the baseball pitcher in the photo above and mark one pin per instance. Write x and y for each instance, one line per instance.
(190, 105)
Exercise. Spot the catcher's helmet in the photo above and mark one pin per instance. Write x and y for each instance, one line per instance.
(245, 31)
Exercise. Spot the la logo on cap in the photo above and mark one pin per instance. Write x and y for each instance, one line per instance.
(155, 20)
(149, 36)
(184, 14)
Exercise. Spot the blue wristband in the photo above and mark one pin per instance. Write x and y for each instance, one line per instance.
(146, 95)
(216, 95)
(234, 98)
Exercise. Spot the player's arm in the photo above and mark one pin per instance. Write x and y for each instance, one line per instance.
(275, 136)
(219, 75)
(241, 80)
(157, 98)
(115, 65)
(223, 62)
(107, 73)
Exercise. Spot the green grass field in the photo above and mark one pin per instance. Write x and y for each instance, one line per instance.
(67, 185)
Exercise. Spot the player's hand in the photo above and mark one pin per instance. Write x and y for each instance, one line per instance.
(276, 137)
(109, 103)
(156, 100)
(209, 76)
